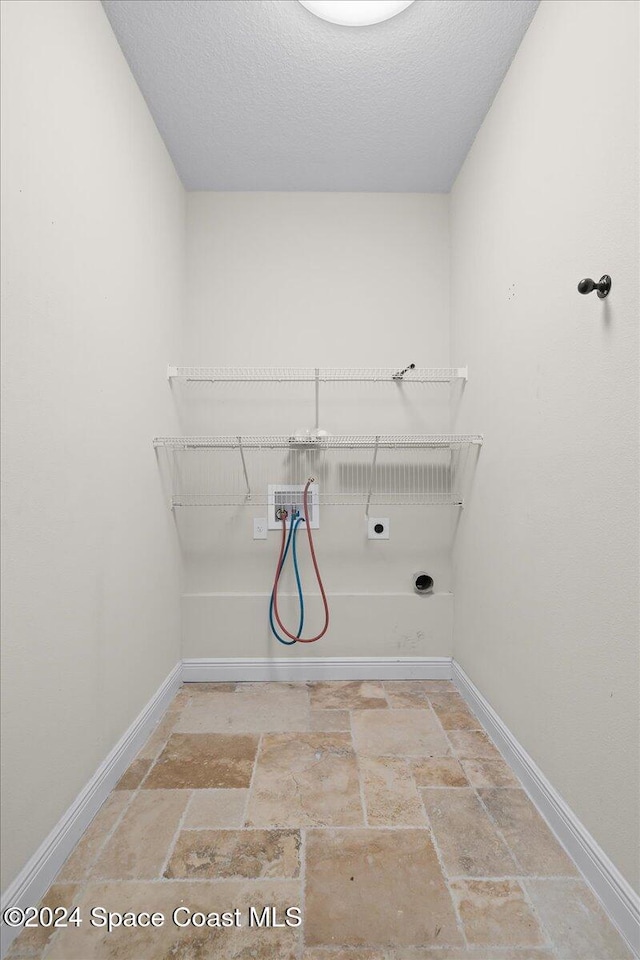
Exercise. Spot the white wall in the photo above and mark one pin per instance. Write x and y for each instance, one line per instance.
(330, 280)
(546, 560)
(92, 272)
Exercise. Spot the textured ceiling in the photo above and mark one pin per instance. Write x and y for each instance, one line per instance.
(262, 95)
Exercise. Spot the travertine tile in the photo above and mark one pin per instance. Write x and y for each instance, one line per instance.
(472, 744)
(32, 941)
(489, 773)
(140, 844)
(134, 775)
(159, 737)
(398, 733)
(252, 710)
(473, 953)
(496, 913)
(376, 887)
(575, 921)
(466, 837)
(216, 808)
(213, 688)
(324, 721)
(346, 953)
(437, 686)
(305, 780)
(453, 713)
(171, 942)
(203, 760)
(406, 693)
(88, 847)
(438, 772)
(254, 854)
(347, 695)
(528, 837)
(390, 793)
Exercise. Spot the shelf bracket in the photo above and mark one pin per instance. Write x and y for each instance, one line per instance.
(372, 476)
(244, 468)
(317, 379)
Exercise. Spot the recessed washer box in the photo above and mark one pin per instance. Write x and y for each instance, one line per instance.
(289, 496)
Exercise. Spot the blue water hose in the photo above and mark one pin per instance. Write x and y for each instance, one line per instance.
(291, 541)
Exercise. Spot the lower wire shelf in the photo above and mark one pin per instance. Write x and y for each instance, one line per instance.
(350, 470)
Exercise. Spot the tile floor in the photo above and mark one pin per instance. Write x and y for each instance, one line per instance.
(379, 809)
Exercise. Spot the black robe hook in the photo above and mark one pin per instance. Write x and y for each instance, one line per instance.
(603, 286)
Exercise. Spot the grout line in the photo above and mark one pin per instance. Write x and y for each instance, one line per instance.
(363, 803)
(250, 787)
(303, 890)
(174, 840)
(445, 877)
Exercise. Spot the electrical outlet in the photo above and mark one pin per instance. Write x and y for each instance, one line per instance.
(260, 528)
(378, 528)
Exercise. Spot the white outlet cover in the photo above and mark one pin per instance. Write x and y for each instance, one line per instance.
(372, 523)
(260, 528)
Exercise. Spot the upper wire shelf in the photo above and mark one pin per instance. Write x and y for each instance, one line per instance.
(410, 374)
(388, 442)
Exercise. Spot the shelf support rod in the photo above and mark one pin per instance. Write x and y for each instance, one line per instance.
(244, 468)
(317, 379)
(371, 476)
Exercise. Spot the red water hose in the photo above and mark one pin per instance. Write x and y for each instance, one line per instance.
(305, 508)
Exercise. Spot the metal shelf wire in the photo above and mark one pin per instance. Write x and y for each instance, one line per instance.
(370, 470)
(316, 374)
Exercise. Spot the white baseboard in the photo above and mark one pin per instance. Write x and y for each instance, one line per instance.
(35, 878)
(317, 668)
(619, 899)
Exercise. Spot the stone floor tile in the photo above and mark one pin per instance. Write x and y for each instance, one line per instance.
(88, 847)
(235, 854)
(325, 721)
(390, 794)
(473, 953)
(438, 772)
(376, 888)
(347, 695)
(203, 760)
(406, 693)
(134, 774)
(398, 733)
(489, 773)
(437, 686)
(530, 840)
(171, 942)
(472, 744)
(253, 710)
(575, 921)
(140, 845)
(453, 713)
(216, 808)
(159, 737)
(467, 839)
(496, 913)
(33, 940)
(303, 780)
(346, 953)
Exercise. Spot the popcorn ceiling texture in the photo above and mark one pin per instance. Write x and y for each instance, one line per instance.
(265, 96)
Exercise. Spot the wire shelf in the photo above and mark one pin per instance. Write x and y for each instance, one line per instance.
(350, 470)
(316, 374)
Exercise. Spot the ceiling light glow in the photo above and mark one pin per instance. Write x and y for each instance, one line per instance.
(355, 13)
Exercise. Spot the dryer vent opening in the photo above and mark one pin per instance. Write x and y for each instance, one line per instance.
(423, 583)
